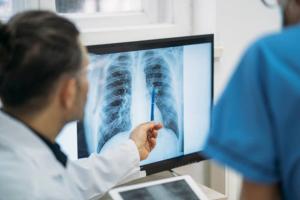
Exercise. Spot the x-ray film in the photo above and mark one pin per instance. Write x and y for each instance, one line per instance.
(130, 88)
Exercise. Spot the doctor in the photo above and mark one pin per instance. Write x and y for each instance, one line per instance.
(43, 85)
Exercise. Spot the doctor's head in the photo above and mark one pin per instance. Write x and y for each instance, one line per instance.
(42, 65)
(290, 10)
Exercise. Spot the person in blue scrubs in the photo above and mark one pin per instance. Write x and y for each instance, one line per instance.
(256, 122)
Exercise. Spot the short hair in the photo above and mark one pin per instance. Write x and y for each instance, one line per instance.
(36, 49)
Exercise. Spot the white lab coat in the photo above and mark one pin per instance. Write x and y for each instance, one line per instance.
(29, 170)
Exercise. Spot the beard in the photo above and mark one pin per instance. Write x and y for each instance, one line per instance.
(80, 104)
(77, 112)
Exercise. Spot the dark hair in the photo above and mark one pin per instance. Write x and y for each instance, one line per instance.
(36, 48)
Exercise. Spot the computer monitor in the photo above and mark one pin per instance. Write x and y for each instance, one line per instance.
(164, 80)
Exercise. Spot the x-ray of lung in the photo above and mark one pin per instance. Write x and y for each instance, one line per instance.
(116, 105)
(126, 89)
(158, 72)
(168, 85)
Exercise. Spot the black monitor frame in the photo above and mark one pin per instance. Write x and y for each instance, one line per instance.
(151, 44)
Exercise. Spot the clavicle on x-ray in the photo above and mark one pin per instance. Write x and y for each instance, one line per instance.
(130, 88)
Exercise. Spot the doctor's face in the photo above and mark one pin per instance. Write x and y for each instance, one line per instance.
(82, 85)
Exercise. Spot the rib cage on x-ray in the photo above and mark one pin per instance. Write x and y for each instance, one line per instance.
(157, 72)
(157, 68)
(117, 99)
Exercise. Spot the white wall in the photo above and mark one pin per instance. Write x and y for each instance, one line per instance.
(238, 23)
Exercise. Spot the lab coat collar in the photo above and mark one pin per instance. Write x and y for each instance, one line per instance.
(19, 138)
(55, 148)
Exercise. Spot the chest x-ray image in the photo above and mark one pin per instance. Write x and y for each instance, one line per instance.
(130, 88)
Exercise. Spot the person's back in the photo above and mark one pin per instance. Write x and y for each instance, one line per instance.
(255, 128)
(282, 88)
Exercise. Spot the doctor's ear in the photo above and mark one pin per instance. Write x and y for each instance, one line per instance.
(67, 93)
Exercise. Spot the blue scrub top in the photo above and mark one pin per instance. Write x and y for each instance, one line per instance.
(256, 123)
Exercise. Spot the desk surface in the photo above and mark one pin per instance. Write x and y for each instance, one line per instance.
(211, 194)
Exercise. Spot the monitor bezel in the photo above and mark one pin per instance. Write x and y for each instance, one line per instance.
(161, 43)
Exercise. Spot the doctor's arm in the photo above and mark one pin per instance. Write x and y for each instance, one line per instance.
(255, 191)
(95, 175)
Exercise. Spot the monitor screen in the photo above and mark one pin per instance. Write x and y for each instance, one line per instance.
(166, 80)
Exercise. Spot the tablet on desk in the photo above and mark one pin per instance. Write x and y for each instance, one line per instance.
(175, 188)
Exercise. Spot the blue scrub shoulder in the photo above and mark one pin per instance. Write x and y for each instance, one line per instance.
(256, 125)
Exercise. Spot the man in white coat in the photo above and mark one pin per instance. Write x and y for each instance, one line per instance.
(43, 85)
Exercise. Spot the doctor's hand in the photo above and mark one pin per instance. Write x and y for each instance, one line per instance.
(145, 136)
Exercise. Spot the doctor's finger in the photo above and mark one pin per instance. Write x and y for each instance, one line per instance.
(152, 143)
(157, 126)
(151, 126)
(153, 133)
